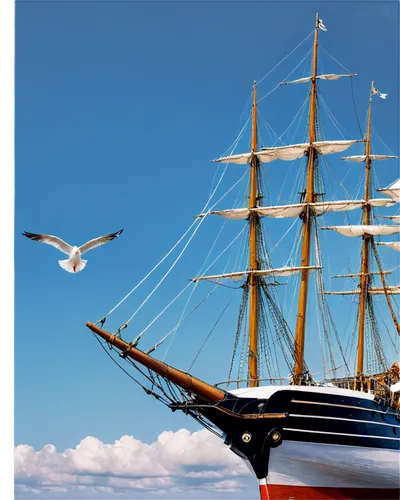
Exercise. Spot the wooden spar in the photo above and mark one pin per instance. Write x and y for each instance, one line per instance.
(381, 272)
(183, 380)
(253, 280)
(365, 278)
(307, 225)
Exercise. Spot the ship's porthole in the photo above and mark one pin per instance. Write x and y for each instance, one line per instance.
(382, 416)
(395, 431)
(246, 438)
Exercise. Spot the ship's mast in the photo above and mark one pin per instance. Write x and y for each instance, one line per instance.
(365, 277)
(307, 223)
(366, 250)
(253, 264)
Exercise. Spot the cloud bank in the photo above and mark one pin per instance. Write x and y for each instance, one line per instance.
(178, 465)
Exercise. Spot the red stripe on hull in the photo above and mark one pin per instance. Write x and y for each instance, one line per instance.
(282, 492)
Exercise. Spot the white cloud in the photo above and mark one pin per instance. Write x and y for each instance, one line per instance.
(178, 465)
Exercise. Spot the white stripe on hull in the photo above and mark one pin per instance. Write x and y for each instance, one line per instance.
(299, 463)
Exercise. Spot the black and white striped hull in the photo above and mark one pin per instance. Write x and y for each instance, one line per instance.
(335, 443)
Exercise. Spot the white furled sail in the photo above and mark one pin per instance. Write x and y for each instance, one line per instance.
(233, 214)
(328, 76)
(240, 159)
(237, 276)
(361, 158)
(361, 230)
(329, 147)
(284, 211)
(381, 202)
(279, 212)
(392, 244)
(336, 206)
(393, 191)
(289, 153)
(287, 211)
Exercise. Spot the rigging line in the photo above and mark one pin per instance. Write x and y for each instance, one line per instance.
(279, 138)
(212, 329)
(269, 130)
(330, 55)
(162, 312)
(340, 182)
(240, 252)
(232, 147)
(321, 344)
(219, 233)
(332, 117)
(190, 296)
(225, 249)
(281, 61)
(167, 273)
(294, 222)
(270, 92)
(247, 102)
(300, 119)
(223, 196)
(186, 232)
(176, 260)
(149, 273)
(379, 137)
(302, 107)
(184, 319)
(355, 108)
(123, 369)
(179, 256)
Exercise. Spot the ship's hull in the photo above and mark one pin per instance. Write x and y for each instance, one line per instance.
(306, 471)
(329, 443)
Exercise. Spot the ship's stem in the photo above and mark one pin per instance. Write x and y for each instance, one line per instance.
(253, 283)
(182, 379)
(307, 224)
(365, 277)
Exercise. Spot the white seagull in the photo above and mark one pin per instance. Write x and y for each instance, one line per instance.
(74, 264)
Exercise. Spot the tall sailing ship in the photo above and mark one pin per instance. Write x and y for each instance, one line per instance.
(337, 437)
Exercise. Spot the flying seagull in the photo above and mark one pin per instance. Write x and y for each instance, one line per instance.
(74, 264)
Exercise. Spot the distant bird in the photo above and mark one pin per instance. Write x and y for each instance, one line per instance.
(74, 264)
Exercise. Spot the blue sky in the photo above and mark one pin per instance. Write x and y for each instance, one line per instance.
(119, 106)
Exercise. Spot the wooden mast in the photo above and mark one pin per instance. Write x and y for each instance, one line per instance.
(365, 256)
(365, 277)
(310, 197)
(253, 264)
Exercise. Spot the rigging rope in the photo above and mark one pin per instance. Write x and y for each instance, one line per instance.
(290, 53)
(212, 329)
(181, 321)
(270, 92)
(234, 144)
(352, 89)
(242, 312)
(183, 312)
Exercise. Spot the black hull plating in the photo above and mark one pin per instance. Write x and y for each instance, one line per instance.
(254, 426)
